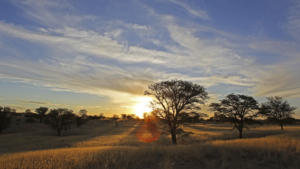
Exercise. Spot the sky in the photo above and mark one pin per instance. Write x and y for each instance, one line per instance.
(101, 55)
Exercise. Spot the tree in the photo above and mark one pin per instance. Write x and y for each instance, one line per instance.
(192, 117)
(174, 97)
(82, 118)
(124, 116)
(5, 116)
(28, 111)
(61, 119)
(41, 111)
(83, 112)
(115, 119)
(238, 108)
(277, 109)
(30, 116)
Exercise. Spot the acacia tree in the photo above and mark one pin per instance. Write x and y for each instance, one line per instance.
(277, 109)
(41, 111)
(174, 97)
(5, 116)
(61, 119)
(237, 108)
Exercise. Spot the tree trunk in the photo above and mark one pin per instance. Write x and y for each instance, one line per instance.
(173, 134)
(281, 125)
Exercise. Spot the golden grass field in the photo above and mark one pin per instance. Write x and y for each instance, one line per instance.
(100, 145)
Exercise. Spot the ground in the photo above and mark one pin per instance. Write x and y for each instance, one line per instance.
(101, 144)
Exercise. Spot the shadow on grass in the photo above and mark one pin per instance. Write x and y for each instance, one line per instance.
(43, 137)
(231, 133)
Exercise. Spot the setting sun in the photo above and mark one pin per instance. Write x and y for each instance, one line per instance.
(142, 106)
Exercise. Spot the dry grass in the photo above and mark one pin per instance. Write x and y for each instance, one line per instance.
(210, 146)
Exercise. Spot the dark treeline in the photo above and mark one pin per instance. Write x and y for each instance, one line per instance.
(59, 119)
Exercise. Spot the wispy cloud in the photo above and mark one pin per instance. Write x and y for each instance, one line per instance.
(195, 12)
(280, 80)
(52, 13)
(76, 63)
(293, 21)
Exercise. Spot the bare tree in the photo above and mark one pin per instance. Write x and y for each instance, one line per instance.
(237, 108)
(5, 116)
(174, 97)
(277, 109)
(41, 111)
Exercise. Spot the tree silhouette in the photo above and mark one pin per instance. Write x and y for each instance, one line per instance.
(61, 119)
(41, 111)
(5, 116)
(28, 111)
(115, 119)
(238, 108)
(174, 97)
(277, 109)
(82, 118)
(82, 112)
(192, 117)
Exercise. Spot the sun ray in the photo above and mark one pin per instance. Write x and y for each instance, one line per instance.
(142, 106)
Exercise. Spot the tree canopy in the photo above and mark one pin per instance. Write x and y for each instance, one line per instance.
(171, 98)
(61, 119)
(237, 108)
(277, 109)
(41, 111)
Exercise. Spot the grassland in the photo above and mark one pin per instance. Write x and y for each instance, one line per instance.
(99, 144)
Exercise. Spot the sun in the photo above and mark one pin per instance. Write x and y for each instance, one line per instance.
(142, 106)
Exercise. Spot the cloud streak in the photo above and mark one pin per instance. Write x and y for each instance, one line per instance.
(198, 13)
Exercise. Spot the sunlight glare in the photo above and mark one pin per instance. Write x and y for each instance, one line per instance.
(142, 106)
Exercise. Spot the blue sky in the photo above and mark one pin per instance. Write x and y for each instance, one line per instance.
(101, 55)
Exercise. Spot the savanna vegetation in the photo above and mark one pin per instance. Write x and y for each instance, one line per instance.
(242, 134)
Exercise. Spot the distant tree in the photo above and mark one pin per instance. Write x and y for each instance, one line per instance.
(82, 117)
(5, 116)
(237, 108)
(131, 116)
(128, 116)
(41, 111)
(278, 110)
(174, 97)
(28, 111)
(101, 116)
(221, 118)
(94, 117)
(124, 116)
(115, 119)
(61, 119)
(30, 116)
(82, 112)
(192, 117)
